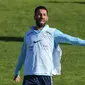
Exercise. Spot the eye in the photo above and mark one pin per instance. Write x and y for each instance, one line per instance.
(45, 14)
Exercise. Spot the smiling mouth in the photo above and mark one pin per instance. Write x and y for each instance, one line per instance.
(42, 21)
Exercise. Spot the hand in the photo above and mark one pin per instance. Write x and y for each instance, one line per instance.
(16, 78)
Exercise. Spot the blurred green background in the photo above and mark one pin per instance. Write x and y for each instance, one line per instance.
(16, 17)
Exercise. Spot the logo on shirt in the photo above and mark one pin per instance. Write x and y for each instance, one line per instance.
(36, 41)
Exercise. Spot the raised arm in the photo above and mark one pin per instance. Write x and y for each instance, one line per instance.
(64, 38)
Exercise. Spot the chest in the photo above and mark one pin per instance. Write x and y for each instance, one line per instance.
(44, 38)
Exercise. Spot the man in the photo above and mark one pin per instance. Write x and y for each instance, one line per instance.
(38, 53)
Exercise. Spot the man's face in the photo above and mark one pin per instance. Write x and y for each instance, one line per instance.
(41, 17)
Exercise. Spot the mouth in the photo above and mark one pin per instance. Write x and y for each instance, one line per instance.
(42, 21)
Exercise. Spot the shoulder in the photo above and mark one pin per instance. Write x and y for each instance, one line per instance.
(30, 31)
(50, 29)
(55, 31)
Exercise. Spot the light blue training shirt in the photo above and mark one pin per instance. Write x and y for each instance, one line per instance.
(38, 52)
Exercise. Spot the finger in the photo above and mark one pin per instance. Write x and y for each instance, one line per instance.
(17, 79)
(16, 76)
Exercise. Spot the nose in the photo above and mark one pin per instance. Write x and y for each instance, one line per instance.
(42, 16)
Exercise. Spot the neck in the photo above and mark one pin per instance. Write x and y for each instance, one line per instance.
(38, 28)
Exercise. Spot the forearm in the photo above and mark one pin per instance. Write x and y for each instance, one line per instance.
(21, 58)
(72, 40)
(19, 65)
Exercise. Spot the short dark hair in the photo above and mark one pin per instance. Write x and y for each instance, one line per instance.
(40, 7)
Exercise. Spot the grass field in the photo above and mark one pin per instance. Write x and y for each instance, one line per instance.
(16, 16)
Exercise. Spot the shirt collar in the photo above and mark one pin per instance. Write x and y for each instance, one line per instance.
(38, 31)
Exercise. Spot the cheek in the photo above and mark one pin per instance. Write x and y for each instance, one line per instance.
(46, 18)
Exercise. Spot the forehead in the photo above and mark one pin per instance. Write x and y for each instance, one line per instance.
(42, 11)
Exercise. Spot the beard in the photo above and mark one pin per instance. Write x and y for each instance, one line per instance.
(39, 24)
